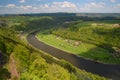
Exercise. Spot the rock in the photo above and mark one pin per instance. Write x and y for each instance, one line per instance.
(77, 43)
(117, 51)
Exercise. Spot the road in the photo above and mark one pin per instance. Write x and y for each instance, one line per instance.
(106, 70)
(13, 69)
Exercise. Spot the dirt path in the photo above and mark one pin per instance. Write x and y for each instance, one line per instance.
(13, 69)
(107, 70)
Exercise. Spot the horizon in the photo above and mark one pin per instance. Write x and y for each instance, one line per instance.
(55, 13)
(59, 6)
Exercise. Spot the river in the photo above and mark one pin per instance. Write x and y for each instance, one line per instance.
(106, 70)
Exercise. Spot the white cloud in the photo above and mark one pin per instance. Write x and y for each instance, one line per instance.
(22, 1)
(10, 6)
(85, 9)
(95, 5)
(64, 4)
(35, 8)
(118, 5)
(56, 7)
(1, 6)
(92, 5)
(44, 6)
(25, 7)
(39, 0)
(113, 0)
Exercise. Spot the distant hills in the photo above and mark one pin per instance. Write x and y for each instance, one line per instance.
(115, 15)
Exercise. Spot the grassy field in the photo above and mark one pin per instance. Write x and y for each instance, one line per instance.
(83, 49)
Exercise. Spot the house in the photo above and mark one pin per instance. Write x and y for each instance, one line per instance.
(116, 25)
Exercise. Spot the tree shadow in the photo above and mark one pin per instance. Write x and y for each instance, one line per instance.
(111, 39)
(99, 54)
(4, 74)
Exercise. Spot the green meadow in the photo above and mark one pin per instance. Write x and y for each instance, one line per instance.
(83, 49)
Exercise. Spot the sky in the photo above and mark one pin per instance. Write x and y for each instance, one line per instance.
(52, 6)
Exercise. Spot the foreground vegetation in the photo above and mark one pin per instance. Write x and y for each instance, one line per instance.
(30, 63)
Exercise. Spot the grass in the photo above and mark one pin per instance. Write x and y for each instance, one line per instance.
(84, 49)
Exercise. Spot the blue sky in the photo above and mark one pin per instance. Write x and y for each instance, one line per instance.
(50, 6)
